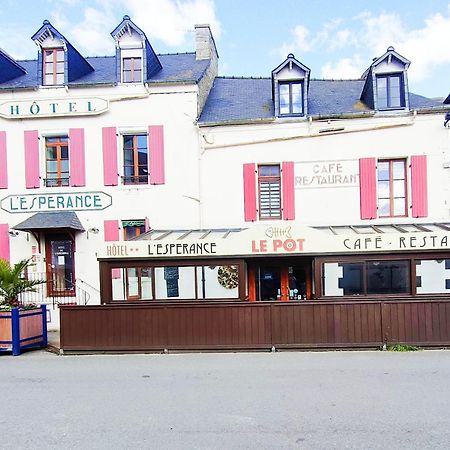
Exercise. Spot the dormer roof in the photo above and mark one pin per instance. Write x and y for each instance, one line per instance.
(76, 65)
(291, 60)
(152, 65)
(390, 62)
(9, 67)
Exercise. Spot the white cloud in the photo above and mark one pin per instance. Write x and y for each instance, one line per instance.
(171, 21)
(345, 68)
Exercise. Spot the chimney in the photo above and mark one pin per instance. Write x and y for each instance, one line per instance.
(205, 47)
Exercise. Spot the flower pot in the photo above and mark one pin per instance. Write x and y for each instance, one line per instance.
(20, 329)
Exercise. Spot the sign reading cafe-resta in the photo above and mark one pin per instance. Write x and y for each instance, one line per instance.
(21, 109)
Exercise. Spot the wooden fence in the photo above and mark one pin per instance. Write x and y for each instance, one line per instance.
(262, 325)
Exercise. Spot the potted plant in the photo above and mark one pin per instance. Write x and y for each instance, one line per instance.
(20, 326)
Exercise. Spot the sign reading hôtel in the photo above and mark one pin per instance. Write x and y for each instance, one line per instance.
(26, 109)
(63, 201)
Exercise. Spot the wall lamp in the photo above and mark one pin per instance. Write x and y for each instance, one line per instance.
(447, 120)
(93, 230)
(13, 233)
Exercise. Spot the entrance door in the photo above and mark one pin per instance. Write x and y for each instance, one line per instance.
(60, 265)
(283, 282)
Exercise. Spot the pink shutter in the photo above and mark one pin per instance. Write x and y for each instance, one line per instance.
(31, 141)
(250, 192)
(111, 230)
(156, 154)
(4, 241)
(147, 226)
(77, 157)
(419, 190)
(368, 187)
(110, 168)
(3, 162)
(111, 233)
(287, 184)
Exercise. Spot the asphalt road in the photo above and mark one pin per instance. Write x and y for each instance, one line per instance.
(332, 400)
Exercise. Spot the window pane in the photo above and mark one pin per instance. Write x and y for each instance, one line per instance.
(269, 171)
(142, 141)
(65, 165)
(51, 153)
(297, 101)
(52, 166)
(387, 277)
(399, 207)
(127, 77)
(60, 67)
(382, 92)
(383, 189)
(65, 152)
(60, 78)
(383, 207)
(128, 156)
(218, 282)
(48, 80)
(284, 98)
(433, 276)
(127, 64)
(383, 170)
(351, 281)
(399, 170)
(133, 282)
(399, 188)
(175, 282)
(128, 142)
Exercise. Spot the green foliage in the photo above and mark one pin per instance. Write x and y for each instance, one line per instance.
(12, 283)
(402, 348)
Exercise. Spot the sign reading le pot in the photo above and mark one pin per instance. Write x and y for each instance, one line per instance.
(73, 201)
(29, 109)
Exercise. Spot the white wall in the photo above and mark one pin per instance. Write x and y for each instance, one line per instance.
(226, 149)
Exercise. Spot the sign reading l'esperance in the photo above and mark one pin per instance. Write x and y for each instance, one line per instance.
(63, 201)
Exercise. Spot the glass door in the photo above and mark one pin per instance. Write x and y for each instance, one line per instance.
(60, 266)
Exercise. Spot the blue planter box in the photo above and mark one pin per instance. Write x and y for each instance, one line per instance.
(21, 329)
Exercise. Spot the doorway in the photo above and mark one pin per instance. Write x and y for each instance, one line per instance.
(60, 265)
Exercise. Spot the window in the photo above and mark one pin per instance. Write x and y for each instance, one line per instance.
(53, 67)
(132, 228)
(131, 70)
(291, 97)
(366, 278)
(189, 282)
(391, 180)
(269, 188)
(57, 161)
(389, 91)
(135, 159)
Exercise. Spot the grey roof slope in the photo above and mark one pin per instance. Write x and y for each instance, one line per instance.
(51, 220)
(240, 99)
(177, 67)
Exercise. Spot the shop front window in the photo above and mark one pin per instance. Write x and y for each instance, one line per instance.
(433, 276)
(366, 278)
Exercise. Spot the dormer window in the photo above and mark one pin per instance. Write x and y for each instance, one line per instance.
(290, 82)
(132, 70)
(291, 97)
(53, 66)
(390, 91)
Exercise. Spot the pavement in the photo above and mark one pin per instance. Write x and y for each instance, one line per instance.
(288, 400)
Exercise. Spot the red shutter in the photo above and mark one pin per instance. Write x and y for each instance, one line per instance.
(287, 185)
(110, 169)
(4, 241)
(156, 154)
(250, 192)
(31, 141)
(3, 162)
(419, 190)
(368, 187)
(111, 230)
(77, 157)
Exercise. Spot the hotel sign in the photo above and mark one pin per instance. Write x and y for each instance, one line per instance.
(276, 240)
(29, 109)
(63, 201)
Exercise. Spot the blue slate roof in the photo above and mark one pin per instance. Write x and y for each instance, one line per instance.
(176, 68)
(241, 99)
(67, 220)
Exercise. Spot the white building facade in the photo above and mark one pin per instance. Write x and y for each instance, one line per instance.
(95, 149)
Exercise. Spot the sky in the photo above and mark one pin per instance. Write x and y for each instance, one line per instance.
(334, 38)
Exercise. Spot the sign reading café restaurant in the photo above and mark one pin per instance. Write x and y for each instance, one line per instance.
(270, 241)
(27, 109)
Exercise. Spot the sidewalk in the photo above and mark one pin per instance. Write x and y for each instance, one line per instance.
(53, 341)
